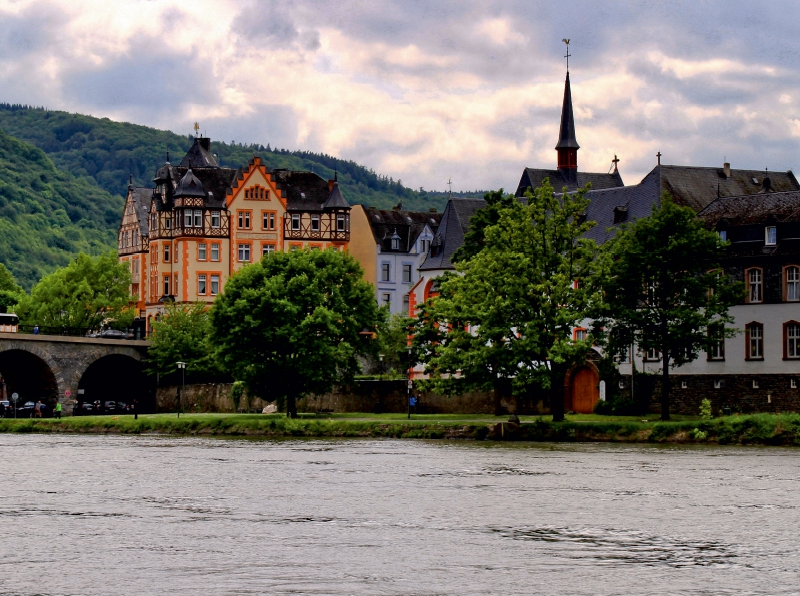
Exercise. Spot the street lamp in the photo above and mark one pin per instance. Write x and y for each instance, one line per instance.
(182, 366)
(408, 388)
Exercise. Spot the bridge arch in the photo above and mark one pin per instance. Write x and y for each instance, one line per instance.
(111, 383)
(32, 374)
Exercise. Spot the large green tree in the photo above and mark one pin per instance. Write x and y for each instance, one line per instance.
(291, 324)
(182, 334)
(87, 293)
(504, 320)
(664, 290)
(474, 239)
(10, 291)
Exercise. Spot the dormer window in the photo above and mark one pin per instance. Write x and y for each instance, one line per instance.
(723, 235)
(395, 241)
(770, 235)
(620, 214)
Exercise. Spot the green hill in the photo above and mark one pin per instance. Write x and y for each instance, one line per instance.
(47, 216)
(107, 152)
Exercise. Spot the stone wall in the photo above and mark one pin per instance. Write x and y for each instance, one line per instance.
(205, 397)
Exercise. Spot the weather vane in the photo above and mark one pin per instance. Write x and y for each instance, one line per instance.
(196, 128)
(566, 41)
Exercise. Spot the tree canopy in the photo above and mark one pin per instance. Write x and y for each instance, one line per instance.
(664, 290)
(84, 294)
(10, 291)
(474, 239)
(504, 320)
(291, 324)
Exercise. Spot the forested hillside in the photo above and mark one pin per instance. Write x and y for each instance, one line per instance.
(47, 216)
(107, 152)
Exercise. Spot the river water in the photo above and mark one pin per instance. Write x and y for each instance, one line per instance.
(153, 515)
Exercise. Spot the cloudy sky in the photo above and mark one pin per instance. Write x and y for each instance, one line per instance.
(427, 90)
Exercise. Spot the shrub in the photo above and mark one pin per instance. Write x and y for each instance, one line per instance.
(705, 409)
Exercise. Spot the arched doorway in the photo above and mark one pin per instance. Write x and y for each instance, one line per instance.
(30, 377)
(584, 386)
(110, 385)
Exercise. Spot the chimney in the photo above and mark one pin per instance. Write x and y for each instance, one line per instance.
(726, 167)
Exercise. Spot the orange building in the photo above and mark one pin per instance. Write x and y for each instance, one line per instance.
(202, 223)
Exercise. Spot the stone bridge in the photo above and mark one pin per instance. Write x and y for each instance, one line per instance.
(62, 369)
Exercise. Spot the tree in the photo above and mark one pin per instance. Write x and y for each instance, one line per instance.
(392, 342)
(10, 291)
(474, 239)
(504, 320)
(84, 294)
(291, 325)
(183, 335)
(664, 290)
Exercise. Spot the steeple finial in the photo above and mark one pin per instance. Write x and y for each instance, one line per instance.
(566, 41)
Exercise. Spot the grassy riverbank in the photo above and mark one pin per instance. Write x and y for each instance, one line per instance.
(757, 429)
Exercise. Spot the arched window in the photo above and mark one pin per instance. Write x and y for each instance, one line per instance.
(791, 340)
(754, 278)
(791, 283)
(754, 336)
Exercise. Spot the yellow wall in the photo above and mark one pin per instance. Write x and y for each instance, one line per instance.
(362, 243)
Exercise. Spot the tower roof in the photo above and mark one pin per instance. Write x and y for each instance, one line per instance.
(566, 137)
(190, 186)
(199, 155)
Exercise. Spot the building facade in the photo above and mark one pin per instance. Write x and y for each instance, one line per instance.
(201, 223)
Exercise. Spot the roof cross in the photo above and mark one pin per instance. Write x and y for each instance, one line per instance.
(566, 41)
(450, 184)
(615, 161)
(658, 155)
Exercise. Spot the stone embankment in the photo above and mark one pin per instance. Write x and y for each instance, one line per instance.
(759, 429)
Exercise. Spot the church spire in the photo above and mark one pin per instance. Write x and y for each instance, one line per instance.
(567, 146)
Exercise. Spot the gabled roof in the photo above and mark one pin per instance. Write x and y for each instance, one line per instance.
(199, 155)
(305, 191)
(696, 187)
(450, 236)
(407, 224)
(533, 177)
(141, 202)
(753, 209)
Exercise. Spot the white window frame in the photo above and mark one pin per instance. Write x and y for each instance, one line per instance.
(771, 235)
(202, 251)
(386, 271)
(214, 282)
(244, 253)
(201, 284)
(315, 224)
(215, 251)
(340, 223)
(793, 340)
(755, 280)
(792, 284)
(198, 218)
(295, 222)
(215, 220)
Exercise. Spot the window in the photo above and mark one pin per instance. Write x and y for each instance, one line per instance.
(755, 285)
(166, 285)
(791, 332)
(268, 220)
(621, 384)
(624, 356)
(652, 355)
(424, 245)
(770, 235)
(168, 222)
(792, 276)
(755, 383)
(267, 249)
(717, 351)
(340, 223)
(244, 253)
(407, 273)
(580, 334)
(201, 251)
(187, 218)
(215, 219)
(214, 251)
(395, 243)
(214, 285)
(176, 252)
(201, 284)
(406, 303)
(198, 218)
(754, 335)
(387, 300)
(294, 247)
(717, 384)
(295, 221)
(315, 223)
(386, 270)
(723, 235)
(684, 384)
(244, 220)
(792, 383)
(166, 253)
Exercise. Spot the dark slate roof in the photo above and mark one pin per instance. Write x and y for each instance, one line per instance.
(533, 178)
(199, 155)
(753, 209)
(216, 184)
(189, 186)
(407, 224)
(696, 187)
(335, 199)
(141, 203)
(453, 227)
(306, 191)
(566, 135)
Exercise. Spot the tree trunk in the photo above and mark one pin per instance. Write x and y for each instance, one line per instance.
(557, 397)
(291, 406)
(665, 386)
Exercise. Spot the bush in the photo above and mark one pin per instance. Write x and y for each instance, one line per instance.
(705, 409)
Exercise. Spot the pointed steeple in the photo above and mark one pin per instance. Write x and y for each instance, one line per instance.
(567, 146)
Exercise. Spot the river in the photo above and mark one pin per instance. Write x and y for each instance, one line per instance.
(153, 515)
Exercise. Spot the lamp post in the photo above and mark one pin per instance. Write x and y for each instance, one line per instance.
(408, 388)
(182, 366)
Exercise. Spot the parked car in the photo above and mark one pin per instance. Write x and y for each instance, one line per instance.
(26, 410)
(5, 409)
(113, 334)
(110, 406)
(85, 407)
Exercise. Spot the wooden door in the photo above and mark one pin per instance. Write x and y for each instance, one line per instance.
(585, 391)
